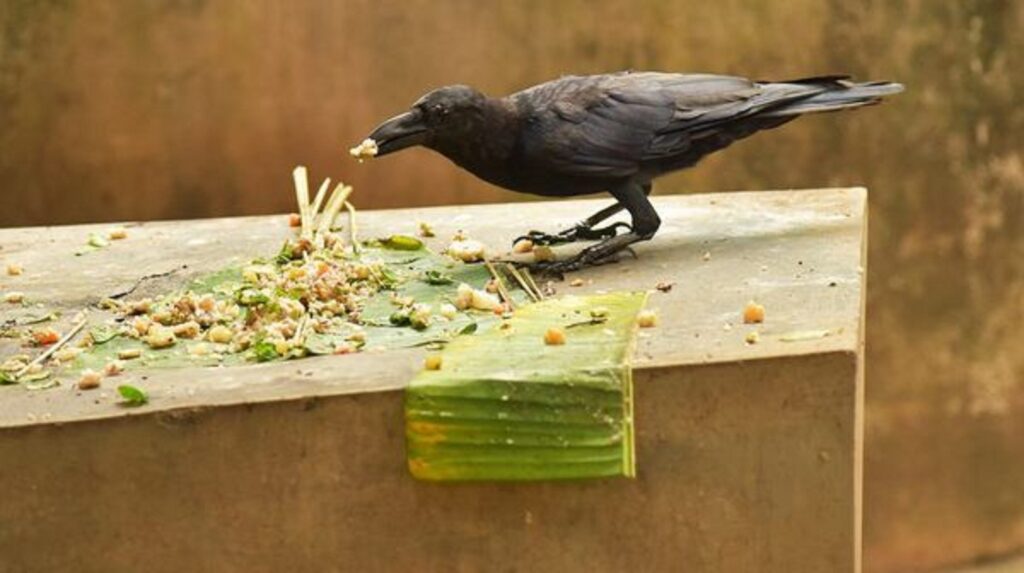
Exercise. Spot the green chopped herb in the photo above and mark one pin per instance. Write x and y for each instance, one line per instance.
(402, 243)
(436, 277)
(248, 296)
(265, 351)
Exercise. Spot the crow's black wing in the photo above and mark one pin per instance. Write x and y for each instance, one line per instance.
(609, 126)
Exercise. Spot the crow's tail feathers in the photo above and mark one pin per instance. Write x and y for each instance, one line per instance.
(836, 93)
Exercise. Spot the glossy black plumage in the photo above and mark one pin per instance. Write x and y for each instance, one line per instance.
(613, 132)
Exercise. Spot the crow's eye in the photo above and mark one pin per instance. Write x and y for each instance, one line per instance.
(440, 110)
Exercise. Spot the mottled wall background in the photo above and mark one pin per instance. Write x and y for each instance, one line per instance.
(191, 108)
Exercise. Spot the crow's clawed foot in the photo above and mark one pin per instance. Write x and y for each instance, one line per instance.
(589, 257)
(579, 232)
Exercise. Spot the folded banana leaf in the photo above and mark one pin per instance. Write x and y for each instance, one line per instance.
(507, 406)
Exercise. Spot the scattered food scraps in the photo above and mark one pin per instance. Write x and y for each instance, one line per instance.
(14, 269)
(647, 319)
(448, 311)
(522, 246)
(294, 220)
(469, 297)
(752, 337)
(89, 380)
(220, 334)
(576, 283)
(113, 368)
(367, 149)
(118, 234)
(664, 286)
(45, 336)
(707, 256)
(432, 362)
(554, 336)
(753, 313)
(97, 241)
(543, 253)
(14, 297)
(466, 250)
(799, 335)
(426, 230)
(129, 354)
(160, 337)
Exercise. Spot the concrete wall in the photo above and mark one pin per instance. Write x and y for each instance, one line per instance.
(186, 108)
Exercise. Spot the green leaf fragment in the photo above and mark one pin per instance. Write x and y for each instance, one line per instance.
(103, 334)
(132, 396)
(506, 406)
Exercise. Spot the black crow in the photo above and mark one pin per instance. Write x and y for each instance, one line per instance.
(612, 132)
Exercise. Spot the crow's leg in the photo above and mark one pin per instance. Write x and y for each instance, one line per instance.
(584, 230)
(633, 197)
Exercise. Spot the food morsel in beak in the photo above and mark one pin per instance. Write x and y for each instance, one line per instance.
(365, 150)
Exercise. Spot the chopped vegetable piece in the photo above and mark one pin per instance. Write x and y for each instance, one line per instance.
(118, 234)
(469, 297)
(97, 241)
(14, 297)
(220, 334)
(543, 253)
(160, 337)
(554, 336)
(45, 336)
(753, 313)
(448, 311)
(402, 243)
(576, 282)
(419, 317)
(67, 354)
(294, 220)
(14, 269)
(13, 364)
(646, 319)
(522, 246)
(466, 250)
(752, 337)
(265, 351)
(432, 362)
(89, 379)
(129, 353)
(113, 368)
(426, 230)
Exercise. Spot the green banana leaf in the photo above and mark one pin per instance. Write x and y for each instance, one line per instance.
(507, 406)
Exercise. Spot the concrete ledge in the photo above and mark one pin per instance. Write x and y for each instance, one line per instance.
(749, 456)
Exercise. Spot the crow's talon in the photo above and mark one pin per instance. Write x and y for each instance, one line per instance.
(580, 261)
(573, 234)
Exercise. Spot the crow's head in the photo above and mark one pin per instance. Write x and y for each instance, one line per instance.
(446, 113)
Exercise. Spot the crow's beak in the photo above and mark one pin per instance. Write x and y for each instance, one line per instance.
(399, 132)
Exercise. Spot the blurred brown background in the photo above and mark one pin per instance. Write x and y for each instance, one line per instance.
(191, 108)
